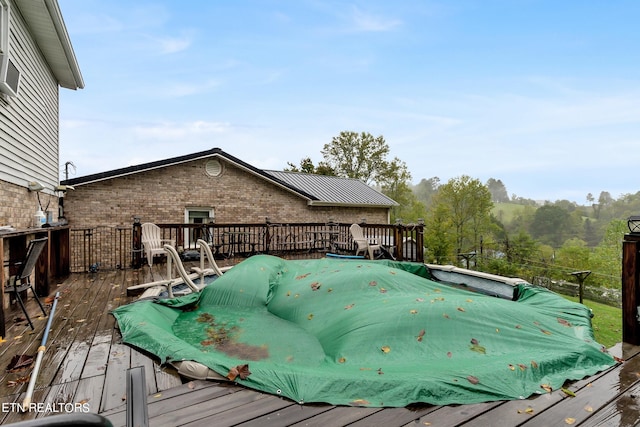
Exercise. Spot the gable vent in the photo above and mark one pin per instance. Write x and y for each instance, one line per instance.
(213, 168)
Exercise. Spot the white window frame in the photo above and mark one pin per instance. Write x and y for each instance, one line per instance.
(188, 219)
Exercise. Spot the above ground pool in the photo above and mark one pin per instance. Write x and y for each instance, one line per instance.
(369, 333)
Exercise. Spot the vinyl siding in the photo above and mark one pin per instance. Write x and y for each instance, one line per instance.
(29, 122)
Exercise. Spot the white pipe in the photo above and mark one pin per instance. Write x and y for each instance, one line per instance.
(36, 369)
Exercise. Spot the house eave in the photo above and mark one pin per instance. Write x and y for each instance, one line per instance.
(348, 205)
(46, 24)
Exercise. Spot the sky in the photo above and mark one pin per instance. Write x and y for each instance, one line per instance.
(543, 95)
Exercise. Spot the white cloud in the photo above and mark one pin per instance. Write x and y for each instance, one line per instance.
(368, 22)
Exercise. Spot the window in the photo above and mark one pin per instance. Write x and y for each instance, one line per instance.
(9, 73)
(197, 215)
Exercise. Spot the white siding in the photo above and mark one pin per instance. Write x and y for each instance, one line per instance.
(29, 122)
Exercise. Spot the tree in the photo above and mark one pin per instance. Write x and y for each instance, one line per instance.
(498, 191)
(394, 182)
(467, 204)
(549, 224)
(425, 189)
(358, 155)
(307, 166)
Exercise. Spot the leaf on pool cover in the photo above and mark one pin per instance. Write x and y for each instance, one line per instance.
(241, 371)
(472, 379)
(534, 364)
(359, 402)
(385, 349)
(302, 276)
(349, 307)
(475, 346)
(461, 309)
(315, 286)
(420, 335)
(564, 322)
(546, 387)
(544, 331)
(373, 283)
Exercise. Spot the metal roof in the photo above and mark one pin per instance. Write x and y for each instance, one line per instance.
(332, 190)
(317, 190)
(45, 23)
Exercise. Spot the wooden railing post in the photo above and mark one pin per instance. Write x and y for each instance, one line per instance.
(630, 289)
(136, 244)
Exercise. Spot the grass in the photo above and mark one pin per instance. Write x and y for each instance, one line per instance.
(607, 322)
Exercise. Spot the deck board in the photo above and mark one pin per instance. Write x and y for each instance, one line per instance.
(86, 362)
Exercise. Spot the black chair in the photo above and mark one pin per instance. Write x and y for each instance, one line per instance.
(22, 279)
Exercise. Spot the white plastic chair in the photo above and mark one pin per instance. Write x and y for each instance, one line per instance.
(362, 242)
(153, 242)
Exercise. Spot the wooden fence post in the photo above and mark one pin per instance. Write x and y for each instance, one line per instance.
(630, 289)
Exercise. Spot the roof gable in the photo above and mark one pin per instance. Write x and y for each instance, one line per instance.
(318, 190)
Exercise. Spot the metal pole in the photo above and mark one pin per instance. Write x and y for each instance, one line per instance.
(41, 350)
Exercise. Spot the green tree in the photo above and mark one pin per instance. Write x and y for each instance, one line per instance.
(549, 224)
(498, 191)
(467, 203)
(358, 155)
(394, 182)
(307, 166)
(426, 189)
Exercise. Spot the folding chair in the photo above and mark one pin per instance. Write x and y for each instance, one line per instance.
(22, 279)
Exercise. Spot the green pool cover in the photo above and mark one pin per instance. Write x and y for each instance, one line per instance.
(370, 333)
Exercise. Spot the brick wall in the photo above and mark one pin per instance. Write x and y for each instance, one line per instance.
(18, 205)
(161, 196)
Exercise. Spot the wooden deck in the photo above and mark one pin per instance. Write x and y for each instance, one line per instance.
(86, 363)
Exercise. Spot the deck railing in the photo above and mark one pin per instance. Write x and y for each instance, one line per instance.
(121, 247)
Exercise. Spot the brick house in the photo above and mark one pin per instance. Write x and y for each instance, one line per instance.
(213, 185)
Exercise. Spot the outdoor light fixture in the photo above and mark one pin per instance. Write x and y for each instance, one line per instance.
(634, 223)
(34, 186)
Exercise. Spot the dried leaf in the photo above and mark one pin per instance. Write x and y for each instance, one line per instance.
(420, 335)
(529, 410)
(360, 402)
(513, 368)
(544, 331)
(385, 349)
(546, 387)
(18, 362)
(472, 379)
(413, 311)
(342, 360)
(461, 309)
(534, 364)
(568, 392)
(2, 340)
(315, 286)
(349, 307)
(383, 291)
(241, 371)
(474, 341)
(449, 354)
(191, 385)
(310, 316)
(569, 420)
(564, 322)
(588, 408)
(83, 401)
(373, 283)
